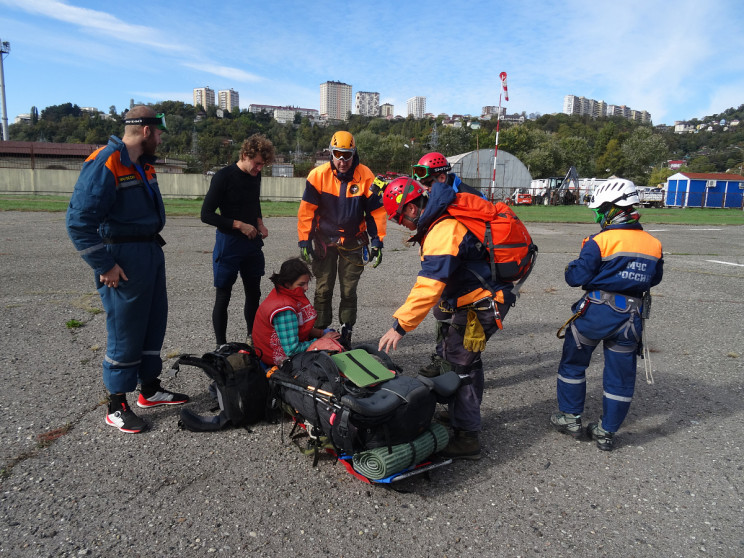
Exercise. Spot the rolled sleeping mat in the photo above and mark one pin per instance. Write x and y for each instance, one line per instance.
(380, 463)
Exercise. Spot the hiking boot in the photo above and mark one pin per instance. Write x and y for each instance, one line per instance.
(437, 367)
(124, 418)
(345, 338)
(154, 395)
(442, 417)
(605, 440)
(567, 423)
(465, 445)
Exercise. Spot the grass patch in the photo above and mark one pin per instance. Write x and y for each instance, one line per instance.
(74, 324)
(528, 213)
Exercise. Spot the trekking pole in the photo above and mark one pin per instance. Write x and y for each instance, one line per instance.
(505, 93)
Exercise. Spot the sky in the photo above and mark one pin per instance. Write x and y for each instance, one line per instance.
(677, 60)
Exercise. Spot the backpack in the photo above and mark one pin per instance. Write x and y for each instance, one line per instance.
(239, 385)
(509, 246)
(352, 418)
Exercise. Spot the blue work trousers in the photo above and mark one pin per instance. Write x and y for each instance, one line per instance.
(620, 333)
(136, 317)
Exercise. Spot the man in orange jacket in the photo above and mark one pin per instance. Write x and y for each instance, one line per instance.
(452, 260)
(340, 215)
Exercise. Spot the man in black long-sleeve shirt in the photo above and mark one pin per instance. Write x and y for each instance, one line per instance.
(235, 191)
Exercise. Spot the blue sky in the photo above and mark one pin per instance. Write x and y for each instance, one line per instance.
(678, 60)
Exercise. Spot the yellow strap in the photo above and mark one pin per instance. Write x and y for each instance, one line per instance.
(560, 334)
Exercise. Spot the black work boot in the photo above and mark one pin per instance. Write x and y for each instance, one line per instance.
(465, 445)
(345, 338)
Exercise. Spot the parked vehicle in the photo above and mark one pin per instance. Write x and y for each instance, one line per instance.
(651, 197)
(556, 190)
(519, 197)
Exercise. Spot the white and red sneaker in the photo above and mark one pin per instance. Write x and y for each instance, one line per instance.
(125, 420)
(162, 397)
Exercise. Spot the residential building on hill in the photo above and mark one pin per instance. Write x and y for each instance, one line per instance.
(367, 103)
(582, 105)
(416, 107)
(335, 100)
(228, 99)
(204, 96)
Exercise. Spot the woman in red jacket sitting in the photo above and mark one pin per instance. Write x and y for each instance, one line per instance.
(285, 320)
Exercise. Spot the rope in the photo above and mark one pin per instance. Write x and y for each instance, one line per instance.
(647, 358)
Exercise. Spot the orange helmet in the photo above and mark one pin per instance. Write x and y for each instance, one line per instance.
(398, 193)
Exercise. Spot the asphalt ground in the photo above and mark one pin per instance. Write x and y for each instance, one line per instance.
(73, 486)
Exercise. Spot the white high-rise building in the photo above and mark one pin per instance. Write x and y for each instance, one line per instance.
(367, 103)
(228, 99)
(335, 100)
(416, 106)
(387, 110)
(582, 105)
(204, 96)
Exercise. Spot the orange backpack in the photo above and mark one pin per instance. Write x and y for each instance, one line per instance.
(510, 249)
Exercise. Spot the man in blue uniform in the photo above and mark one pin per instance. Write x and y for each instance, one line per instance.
(616, 267)
(114, 219)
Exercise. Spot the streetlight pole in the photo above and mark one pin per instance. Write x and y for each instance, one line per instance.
(4, 49)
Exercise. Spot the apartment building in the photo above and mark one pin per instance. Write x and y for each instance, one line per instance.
(228, 99)
(416, 107)
(335, 100)
(582, 105)
(204, 96)
(367, 103)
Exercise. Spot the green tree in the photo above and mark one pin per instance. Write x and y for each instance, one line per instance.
(575, 151)
(659, 176)
(641, 151)
(611, 162)
(701, 164)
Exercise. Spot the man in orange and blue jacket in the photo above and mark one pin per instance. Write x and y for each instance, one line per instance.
(453, 263)
(616, 268)
(340, 215)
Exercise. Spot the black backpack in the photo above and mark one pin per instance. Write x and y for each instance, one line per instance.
(353, 419)
(239, 385)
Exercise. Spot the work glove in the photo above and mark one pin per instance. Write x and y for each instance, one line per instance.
(307, 254)
(375, 256)
(474, 339)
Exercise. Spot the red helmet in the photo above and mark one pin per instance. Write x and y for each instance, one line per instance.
(431, 164)
(392, 197)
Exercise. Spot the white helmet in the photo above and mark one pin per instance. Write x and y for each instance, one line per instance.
(618, 191)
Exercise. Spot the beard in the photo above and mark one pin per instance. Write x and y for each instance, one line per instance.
(149, 145)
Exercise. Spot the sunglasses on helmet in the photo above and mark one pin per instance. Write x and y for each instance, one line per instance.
(342, 155)
(158, 120)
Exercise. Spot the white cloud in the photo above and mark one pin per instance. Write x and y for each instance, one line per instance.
(224, 71)
(95, 21)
